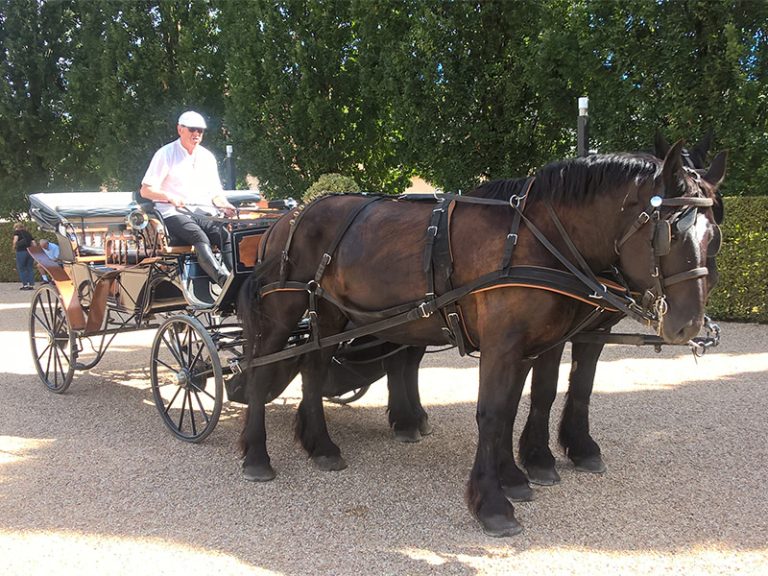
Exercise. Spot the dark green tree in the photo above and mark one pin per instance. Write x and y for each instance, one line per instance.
(298, 100)
(137, 66)
(34, 56)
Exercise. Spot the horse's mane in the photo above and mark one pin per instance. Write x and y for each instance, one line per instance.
(576, 179)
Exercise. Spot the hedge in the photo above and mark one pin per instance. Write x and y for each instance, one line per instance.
(741, 293)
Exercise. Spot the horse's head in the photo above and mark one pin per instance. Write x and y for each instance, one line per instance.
(667, 254)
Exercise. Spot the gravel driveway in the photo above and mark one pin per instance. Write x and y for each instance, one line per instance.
(92, 483)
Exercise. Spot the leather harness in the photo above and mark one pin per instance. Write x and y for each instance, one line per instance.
(577, 282)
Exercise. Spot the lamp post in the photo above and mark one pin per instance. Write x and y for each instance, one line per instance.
(582, 134)
(230, 169)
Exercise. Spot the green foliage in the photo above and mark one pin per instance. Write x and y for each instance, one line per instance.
(330, 184)
(742, 291)
(300, 99)
(33, 140)
(452, 90)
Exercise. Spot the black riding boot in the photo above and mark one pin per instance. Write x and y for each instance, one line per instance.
(206, 259)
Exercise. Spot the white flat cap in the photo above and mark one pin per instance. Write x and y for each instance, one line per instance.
(192, 119)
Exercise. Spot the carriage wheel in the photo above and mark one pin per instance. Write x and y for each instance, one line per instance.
(350, 396)
(187, 381)
(51, 340)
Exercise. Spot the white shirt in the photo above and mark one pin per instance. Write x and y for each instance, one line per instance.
(194, 177)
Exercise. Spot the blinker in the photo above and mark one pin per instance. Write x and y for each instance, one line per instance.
(662, 238)
(685, 220)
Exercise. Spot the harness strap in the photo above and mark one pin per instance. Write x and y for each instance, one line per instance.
(600, 291)
(569, 243)
(693, 274)
(518, 202)
(341, 231)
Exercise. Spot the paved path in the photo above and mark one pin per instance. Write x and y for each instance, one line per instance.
(92, 483)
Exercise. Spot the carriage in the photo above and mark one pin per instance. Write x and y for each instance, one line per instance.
(118, 272)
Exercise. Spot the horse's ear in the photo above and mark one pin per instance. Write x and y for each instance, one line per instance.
(660, 144)
(699, 152)
(672, 171)
(716, 171)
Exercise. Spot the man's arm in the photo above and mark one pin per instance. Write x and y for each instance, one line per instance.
(158, 195)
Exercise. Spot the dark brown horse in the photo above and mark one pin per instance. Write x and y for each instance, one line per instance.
(613, 210)
(574, 430)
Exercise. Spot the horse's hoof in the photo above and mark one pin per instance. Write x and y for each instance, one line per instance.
(425, 428)
(500, 526)
(329, 463)
(258, 473)
(543, 476)
(591, 464)
(518, 492)
(407, 436)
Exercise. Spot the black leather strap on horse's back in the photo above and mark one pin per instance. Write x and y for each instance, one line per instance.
(340, 232)
(518, 202)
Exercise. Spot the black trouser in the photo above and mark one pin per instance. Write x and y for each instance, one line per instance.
(194, 228)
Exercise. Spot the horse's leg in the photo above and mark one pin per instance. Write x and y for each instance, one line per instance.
(535, 455)
(311, 429)
(406, 414)
(253, 439)
(513, 481)
(274, 327)
(502, 376)
(574, 435)
(414, 357)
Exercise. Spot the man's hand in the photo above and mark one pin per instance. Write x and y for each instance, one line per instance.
(224, 205)
(176, 201)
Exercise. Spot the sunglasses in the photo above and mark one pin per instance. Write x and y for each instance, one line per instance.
(200, 130)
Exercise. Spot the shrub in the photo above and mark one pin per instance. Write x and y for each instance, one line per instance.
(330, 184)
(742, 291)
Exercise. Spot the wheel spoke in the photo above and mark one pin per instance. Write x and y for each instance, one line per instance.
(183, 408)
(158, 361)
(192, 414)
(200, 404)
(170, 403)
(197, 389)
(174, 351)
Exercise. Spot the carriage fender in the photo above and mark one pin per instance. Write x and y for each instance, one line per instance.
(64, 285)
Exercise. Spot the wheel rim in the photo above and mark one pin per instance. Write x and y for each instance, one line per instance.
(187, 381)
(51, 340)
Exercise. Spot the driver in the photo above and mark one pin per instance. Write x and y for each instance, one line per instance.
(183, 174)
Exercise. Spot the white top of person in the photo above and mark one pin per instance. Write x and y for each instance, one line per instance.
(194, 177)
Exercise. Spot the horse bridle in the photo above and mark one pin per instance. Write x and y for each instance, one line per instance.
(654, 299)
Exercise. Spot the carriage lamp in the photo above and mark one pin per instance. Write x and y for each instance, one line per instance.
(137, 220)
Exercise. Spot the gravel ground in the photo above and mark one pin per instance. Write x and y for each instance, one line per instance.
(92, 483)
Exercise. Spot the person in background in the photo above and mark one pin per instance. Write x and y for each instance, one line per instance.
(51, 250)
(22, 240)
(184, 175)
